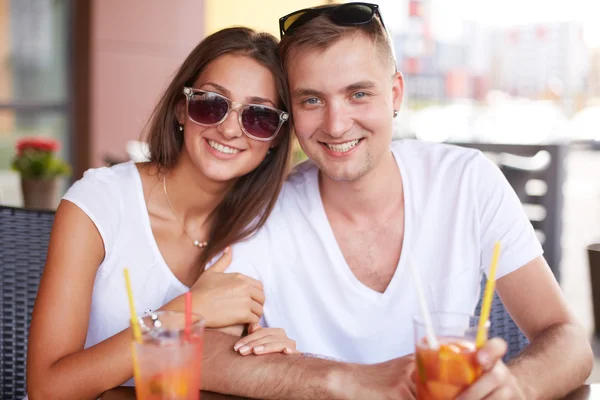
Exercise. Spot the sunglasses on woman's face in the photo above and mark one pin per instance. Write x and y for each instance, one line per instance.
(348, 14)
(257, 121)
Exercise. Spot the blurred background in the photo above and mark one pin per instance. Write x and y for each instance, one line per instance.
(518, 79)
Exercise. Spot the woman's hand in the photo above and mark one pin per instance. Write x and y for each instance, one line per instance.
(264, 341)
(227, 299)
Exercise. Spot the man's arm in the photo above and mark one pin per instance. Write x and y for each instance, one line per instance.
(559, 357)
(299, 377)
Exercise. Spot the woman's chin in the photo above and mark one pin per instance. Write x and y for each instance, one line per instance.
(220, 174)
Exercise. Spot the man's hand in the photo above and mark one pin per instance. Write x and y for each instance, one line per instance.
(497, 381)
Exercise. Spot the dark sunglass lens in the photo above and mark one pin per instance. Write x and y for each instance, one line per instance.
(207, 108)
(260, 122)
(351, 14)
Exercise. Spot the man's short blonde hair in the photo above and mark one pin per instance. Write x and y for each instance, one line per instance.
(321, 33)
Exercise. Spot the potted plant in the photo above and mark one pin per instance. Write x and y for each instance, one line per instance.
(39, 167)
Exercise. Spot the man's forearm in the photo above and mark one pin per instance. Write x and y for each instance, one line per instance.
(555, 363)
(276, 376)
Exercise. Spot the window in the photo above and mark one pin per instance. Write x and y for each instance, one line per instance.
(34, 80)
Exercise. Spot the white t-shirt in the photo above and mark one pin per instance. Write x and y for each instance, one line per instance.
(113, 199)
(456, 201)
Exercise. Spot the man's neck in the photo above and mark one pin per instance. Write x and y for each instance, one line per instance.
(366, 198)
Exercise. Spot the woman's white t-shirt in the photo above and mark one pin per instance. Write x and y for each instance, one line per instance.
(113, 199)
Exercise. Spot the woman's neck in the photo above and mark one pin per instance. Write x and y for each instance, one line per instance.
(192, 196)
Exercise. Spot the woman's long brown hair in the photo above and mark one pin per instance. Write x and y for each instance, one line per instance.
(247, 205)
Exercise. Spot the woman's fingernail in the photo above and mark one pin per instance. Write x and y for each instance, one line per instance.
(287, 350)
(259, 349)
(237, 346)
(245, 350)
(226, 250)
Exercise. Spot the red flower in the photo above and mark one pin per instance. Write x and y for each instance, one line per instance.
(37, 143)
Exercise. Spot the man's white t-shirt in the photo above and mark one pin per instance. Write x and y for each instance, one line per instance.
(457, 205)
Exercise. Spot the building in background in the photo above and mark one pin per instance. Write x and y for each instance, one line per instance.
(415, 52)
(543, 61)
(538, 61)
(593, 87)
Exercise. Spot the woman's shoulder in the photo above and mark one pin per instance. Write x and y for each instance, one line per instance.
(103, 194)
(110, 175)
(104, 184)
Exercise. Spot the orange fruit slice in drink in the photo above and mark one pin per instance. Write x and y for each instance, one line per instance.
(427, 364)
(454, 366)
(442, 391)
(421, 367)
(170, 384)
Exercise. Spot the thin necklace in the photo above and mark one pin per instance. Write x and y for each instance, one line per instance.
(197, 243)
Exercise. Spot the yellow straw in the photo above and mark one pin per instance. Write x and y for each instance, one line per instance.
(487, 298)
(137, 334)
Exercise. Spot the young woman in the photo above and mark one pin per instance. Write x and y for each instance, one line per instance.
(219, 141)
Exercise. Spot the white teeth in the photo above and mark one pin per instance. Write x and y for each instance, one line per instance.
(344, 147)
(221, 148)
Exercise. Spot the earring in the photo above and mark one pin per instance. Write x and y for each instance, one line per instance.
(180, 128)
(395, 113)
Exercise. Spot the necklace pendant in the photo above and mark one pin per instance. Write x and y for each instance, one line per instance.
(197, 243)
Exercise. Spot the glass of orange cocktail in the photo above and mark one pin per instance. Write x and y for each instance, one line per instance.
(168, 358)
(444, 372)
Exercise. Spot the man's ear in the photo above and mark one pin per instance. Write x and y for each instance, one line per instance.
(397, 90)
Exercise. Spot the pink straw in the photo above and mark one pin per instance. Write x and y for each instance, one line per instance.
(188, 315)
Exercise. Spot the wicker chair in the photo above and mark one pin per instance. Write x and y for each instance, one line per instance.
(24, 236)
(503, 326)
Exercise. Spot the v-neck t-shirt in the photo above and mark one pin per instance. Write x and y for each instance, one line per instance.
(457, 205)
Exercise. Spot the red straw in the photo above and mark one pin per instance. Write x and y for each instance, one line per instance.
(188, 315)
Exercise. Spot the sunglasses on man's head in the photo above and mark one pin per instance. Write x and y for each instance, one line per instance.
(348, 14)
(257, 121)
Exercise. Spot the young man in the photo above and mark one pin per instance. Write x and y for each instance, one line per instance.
(334, 256)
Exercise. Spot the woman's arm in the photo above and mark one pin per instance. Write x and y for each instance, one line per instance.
(57, 365)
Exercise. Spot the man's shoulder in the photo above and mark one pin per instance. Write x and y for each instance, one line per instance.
(300, 184)
(301, 174)
(289, 212)
(440, 156)
(296, 201)
(424, 148)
